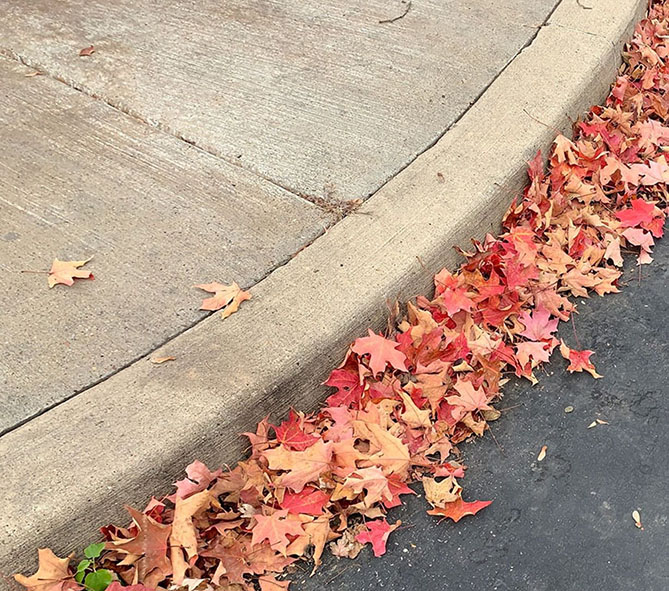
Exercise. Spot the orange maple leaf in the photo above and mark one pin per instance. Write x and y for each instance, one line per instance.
(458, 509)
(53, 574)
(275, 528)
(269, 583)
(183, 538)
(388, 451)
(226, 297)
(65, 272)
(301, 466)
(373, 481)
(469, 399)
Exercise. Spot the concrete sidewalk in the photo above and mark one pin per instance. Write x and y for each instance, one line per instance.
(133, 432)
(163, 153)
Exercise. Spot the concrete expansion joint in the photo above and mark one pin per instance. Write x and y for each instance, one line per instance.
(118, 106)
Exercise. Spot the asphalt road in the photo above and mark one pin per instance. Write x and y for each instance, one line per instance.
(563, 524)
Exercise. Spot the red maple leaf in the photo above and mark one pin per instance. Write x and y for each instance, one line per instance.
(578, 360)
(454, 301)
(396, 487)
(291, 433)
(381, 351)
(458, 509)
(641, 212)
(308, 502)
(376, 533)
(349, 389)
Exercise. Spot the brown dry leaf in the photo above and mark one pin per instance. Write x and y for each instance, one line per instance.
(33, 74)
(301, 466)
(86, 51)
(390, 453)
(159, 360)
(347, 546)
(440, 493)
(65, 272)
(319, 533)
(183, 538)
(491, 415)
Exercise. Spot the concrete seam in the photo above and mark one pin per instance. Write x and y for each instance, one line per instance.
(118, 106)
(318, 202)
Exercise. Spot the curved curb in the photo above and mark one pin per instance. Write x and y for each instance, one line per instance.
(133, 434)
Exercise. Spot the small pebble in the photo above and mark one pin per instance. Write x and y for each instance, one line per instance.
(569, 409)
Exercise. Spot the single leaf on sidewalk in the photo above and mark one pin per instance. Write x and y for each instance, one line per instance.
(159, 360)
(226, 297)
(65, 272)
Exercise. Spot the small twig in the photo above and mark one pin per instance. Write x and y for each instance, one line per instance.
(583, 6)
(341, 572)
(422, 264)
(40, 272)
(508, 408)
(392, 20)
(501, 449)
(573, 326)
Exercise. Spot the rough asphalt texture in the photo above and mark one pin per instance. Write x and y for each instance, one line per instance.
(563, 524)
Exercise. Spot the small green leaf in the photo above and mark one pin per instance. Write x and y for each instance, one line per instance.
(79, 576)
(98, 580)
(83, 565)
(94, 550)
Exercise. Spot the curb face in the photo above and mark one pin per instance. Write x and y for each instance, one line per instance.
(68, 471)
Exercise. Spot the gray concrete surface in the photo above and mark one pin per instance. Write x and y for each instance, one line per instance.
(316, 95)
(276, 350)
(563, 524)
(78, 179)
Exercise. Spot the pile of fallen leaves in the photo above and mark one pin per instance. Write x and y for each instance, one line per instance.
(404, 400)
